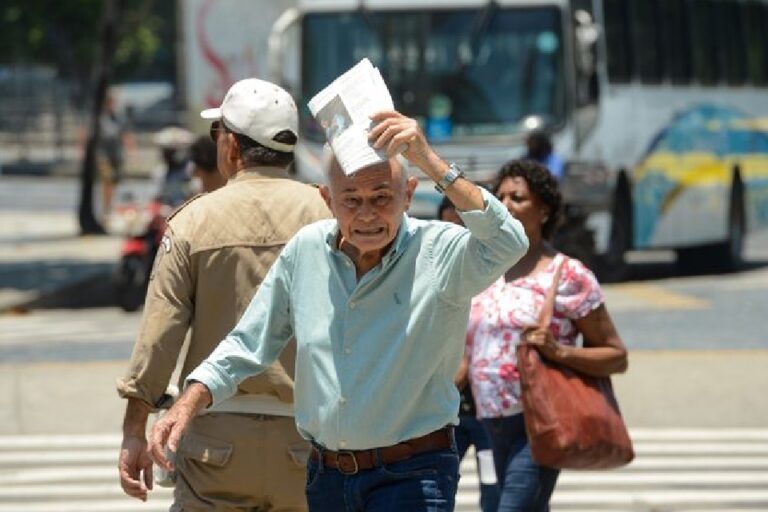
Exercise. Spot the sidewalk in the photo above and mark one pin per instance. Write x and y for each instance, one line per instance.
(44, 261)
(67, 161)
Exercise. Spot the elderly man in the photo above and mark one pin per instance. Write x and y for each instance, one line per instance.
(378, 303)
(245, 454)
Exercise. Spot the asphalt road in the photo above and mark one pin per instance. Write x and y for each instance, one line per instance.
(657, 309)
(698, 349)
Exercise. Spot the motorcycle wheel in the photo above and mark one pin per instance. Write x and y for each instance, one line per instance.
(131, 283)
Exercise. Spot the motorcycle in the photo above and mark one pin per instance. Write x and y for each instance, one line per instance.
(144, 227)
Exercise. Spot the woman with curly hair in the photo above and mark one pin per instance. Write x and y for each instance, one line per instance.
(501, 314)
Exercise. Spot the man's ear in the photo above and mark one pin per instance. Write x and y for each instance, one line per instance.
(232, 149)
(410, 187)
(325, 193)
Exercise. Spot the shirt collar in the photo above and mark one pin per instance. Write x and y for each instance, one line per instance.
(260, 172)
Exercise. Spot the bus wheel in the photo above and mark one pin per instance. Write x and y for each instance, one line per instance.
(726, 256)
(574, 238)
(611, 266)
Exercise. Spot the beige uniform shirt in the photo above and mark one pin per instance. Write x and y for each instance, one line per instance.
(216, 251)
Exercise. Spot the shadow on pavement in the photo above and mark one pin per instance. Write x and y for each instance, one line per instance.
(646, 271)
(59, 284)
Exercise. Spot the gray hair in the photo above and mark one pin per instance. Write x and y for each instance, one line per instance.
(328, 159)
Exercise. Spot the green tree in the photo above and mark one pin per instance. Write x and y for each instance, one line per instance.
(90, 42)
(66, 36)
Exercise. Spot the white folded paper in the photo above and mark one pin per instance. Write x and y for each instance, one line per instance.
(343, 110)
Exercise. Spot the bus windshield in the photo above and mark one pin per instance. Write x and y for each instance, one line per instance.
(461, 73)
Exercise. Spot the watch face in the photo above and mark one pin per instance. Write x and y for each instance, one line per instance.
(452, 175)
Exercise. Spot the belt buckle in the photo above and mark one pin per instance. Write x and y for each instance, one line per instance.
(351, 455)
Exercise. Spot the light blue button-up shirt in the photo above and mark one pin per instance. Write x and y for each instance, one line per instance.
(376, 357)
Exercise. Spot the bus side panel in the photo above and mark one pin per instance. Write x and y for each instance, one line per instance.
(680, 200)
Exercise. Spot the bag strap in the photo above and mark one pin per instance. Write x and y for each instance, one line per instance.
(548, 308)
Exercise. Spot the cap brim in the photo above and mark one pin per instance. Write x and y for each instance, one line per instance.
(211, 113)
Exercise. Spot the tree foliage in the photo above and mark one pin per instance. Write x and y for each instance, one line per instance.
(65, 34)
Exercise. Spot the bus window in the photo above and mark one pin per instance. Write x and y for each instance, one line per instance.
(674, 31)
(487, 75)
(644, 15)
(703, 44)
(730, 41)
(620, 57)
(756, 33)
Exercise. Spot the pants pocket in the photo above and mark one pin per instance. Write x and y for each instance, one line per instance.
(299, 453)
(207, 450)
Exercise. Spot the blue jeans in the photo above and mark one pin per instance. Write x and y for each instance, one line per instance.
(422, 483)
(525, 486)
(471, 432)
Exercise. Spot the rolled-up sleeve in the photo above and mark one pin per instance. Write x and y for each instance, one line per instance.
(472, 259)
(167, 315)
(257, 339)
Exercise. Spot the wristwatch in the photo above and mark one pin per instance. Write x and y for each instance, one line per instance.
(454, 173)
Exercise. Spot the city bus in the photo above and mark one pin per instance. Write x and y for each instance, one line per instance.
(653, 104)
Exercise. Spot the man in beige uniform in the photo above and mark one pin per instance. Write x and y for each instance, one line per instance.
(246, 454)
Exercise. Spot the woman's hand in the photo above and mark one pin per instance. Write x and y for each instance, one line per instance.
(603, 352)
(544, 342)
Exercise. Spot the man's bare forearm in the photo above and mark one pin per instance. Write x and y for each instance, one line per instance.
(135, 421)
(195, 398)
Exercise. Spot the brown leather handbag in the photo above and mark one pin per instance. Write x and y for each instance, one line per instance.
(572, 419)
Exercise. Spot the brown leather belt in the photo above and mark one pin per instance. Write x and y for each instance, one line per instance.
(350, 462)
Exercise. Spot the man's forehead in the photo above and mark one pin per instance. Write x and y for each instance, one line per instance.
(380, 175)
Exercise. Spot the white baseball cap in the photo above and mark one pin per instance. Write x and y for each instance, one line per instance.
(259, 110)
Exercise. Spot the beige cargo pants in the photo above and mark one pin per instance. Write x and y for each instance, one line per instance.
(239, 463)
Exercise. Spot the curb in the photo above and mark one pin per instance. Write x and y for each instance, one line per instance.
(95, 290)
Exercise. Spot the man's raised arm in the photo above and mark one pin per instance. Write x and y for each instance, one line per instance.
(394, 131)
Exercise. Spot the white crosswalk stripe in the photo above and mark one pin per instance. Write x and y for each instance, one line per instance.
(686, 470)
(675, 470)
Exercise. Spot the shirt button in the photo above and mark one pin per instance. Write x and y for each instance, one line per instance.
(342, 400)
(342, 444)
(352, 305)
(347, 350)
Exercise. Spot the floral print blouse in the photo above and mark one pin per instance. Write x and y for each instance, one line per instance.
(498, 317)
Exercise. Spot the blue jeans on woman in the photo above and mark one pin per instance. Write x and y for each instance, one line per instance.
(423, 483)
(525, 486)
(471, 432)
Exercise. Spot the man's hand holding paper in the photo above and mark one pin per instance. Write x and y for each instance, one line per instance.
(395, 133)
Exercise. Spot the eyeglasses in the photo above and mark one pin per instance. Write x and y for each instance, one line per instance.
(216, 127)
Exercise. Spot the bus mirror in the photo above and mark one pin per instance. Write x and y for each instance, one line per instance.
(284, 46)
(587, 33)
